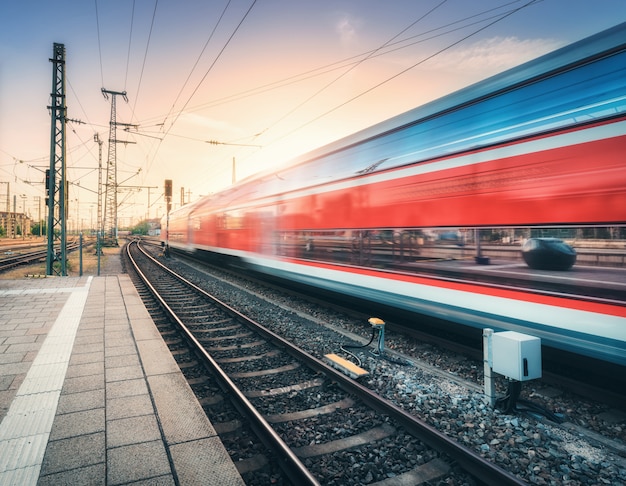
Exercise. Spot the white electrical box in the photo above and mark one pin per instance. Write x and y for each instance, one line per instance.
(516, 356)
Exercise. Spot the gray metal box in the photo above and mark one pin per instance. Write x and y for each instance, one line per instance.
(516, 355)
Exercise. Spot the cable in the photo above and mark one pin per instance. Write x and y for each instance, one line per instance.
(219, 55)
(357, 64)
(130, 39)
(206, 44)
(356, 346)
(404, 71)
(511, 402)
(145, 56)
(99, 43)
(322, 70)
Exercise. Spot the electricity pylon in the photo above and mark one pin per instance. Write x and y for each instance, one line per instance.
(109, 223)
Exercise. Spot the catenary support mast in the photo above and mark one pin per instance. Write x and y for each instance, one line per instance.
(56, 182)
(109, 223)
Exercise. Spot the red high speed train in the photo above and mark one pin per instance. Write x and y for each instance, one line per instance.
(536, 148)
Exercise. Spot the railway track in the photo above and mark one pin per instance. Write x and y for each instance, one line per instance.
(11, 260)
(309, 415)
(15, 256)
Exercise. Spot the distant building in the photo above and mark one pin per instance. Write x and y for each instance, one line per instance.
(15, 224)
(154, 227)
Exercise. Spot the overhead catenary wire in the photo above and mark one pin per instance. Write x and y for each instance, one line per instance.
(145, 56)
(357, 64)
(217, 57)
(132, 38)
(99, 43)
(130, 42)
(355, 59)
(400, 73)
(193, 68)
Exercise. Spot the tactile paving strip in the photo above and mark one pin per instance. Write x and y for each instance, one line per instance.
(25, 430)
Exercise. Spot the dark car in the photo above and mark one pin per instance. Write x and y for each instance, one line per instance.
(548, 254)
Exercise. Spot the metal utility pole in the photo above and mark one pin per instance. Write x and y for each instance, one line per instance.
(100, 229)
(7, 219)
(56, 183)
(110, 201)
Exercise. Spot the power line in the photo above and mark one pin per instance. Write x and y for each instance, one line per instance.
(353, 60)
(212, 65)
(404, 71)
(219, 55)
(130, 39)
(197, 60)
(145, 56)
(99, 43)
(357, 64)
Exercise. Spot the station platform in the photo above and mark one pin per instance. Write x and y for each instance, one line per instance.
(90, 393)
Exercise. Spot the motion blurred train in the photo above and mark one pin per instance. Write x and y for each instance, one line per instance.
(539, 146)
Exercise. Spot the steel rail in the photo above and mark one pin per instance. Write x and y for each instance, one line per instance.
(292, 465)
(24, 258)
(470, 461)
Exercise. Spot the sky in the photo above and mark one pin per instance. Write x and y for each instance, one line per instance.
(250, 84)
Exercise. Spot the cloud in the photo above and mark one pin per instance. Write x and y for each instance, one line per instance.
(204, 122)
(491, 55)
(347, 28)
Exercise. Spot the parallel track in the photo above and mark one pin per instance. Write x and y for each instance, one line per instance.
(26, 255)
(224, 338)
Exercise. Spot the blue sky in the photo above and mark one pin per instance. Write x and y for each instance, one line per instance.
(268, 80)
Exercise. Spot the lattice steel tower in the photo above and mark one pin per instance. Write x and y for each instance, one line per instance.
(56, 182)
(110, 200)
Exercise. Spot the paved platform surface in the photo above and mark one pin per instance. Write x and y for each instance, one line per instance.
(90, 394)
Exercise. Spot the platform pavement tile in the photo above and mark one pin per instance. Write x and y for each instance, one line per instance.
(77, 402)
(23, 339)
(123, 373)
(88, 349)
(167, 480)
(94, 475)
(181, 416)
(23, 347)
(122, 326)
(78, 423)
(116, 318)
(82, 384)
(120, 350)
(85, 369)
(5, 381)
(130, 406)
(122, 360)
(83, 358)
(39, 330)
(95, 323)
(145, 329)
(15, 368)
(126, 388)
(118, 343)
(82, 340)
(132, 430)
(118, 335)
(204, 461)
(156, 357)
(137, 462)
(88, 331)
(6, 358)
(73, 453)
(137, 311)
